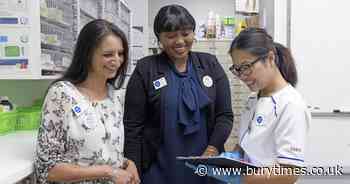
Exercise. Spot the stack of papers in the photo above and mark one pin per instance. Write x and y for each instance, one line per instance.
(218, 161)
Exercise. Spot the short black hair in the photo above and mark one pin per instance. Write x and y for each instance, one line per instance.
(173, 18)
(89, 39)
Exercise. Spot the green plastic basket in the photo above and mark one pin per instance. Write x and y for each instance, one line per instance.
(8, 122)
(38, 102)
(28, 118)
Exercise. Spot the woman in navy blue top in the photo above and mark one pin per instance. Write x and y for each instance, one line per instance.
(178, 103)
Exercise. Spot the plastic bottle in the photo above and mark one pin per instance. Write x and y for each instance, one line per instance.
(201, 31)
(217, 27)
(211, 25)
(6, 104)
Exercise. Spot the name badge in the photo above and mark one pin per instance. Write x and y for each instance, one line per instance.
(260, 120)
(207, 81)
(91, 121)
(159, 83)
(77, 110)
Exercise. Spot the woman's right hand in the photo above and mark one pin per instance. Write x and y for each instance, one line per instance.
(120, 176)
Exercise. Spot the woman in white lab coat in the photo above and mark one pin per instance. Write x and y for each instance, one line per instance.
(81, 137)
(275, 121)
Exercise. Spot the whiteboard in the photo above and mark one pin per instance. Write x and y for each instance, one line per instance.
(320, 43)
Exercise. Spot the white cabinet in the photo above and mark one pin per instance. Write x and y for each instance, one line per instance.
(17, 156)
(328, 146)
(37, 37)
(329, 141)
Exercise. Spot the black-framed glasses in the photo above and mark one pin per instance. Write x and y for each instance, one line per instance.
(246, 68)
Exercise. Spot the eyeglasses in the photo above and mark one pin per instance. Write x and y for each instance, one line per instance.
(245, 69)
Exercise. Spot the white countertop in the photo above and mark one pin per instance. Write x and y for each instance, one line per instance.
(16, 156)
(17, 152)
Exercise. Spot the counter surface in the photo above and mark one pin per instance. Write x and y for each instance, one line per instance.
(16, 156)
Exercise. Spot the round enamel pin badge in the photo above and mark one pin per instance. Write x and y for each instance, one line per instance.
(207, 81)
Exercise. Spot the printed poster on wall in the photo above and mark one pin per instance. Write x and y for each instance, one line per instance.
(14, 36)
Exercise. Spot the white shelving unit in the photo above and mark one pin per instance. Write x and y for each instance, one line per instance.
(87, 10)
(56, 24)
(57, 36)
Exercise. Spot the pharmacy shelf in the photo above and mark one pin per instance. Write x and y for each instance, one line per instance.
(56, 48)
(57, 24)
(90, 7)
(50, 21)
(87, 14)
(57, 36)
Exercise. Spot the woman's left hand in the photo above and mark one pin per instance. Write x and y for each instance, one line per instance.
(131, 168)
(210, 151)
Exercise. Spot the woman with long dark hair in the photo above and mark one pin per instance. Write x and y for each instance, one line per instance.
(81, 137)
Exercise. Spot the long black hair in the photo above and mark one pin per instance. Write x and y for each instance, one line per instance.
(89, 39)
(258, 42)
(173, 18)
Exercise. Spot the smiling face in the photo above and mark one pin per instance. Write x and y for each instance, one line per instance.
(107, 58)
(261, 72)
(177, 44)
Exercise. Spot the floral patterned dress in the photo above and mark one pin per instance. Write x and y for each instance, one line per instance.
(74, 130)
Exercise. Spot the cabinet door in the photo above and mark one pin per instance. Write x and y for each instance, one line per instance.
(329, 142)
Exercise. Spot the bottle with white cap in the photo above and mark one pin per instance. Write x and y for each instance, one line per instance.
(5, 104)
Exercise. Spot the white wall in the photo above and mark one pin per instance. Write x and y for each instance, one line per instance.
(198, 8)
(23, 92)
